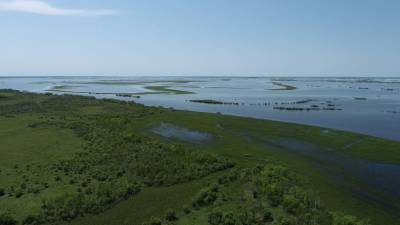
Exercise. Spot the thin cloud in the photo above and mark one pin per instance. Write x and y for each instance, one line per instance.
(41, 7)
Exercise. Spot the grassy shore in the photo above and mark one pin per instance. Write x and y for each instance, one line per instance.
(78, 160)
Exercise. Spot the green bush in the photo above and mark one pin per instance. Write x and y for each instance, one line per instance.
(247, 217)
(342, 219)
(186, 209)
(290, 203)
(171, 215)
(32, 220)
(153, 221)
(6, 219)
(206, 196)
(18, 193)
(215, 218)
(267, 216)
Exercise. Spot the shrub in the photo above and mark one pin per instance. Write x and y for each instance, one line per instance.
(6, 219)
(284, 221)
(206, 196)
(171, 215)
(290, 203)
(153, 221)
(215, 218)
(186, 209)
(32, 220)
(268, 217)
(229, 219)
(18, 193)
(23, 186)
(342, 219)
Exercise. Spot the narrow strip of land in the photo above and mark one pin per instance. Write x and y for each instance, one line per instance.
(282, 87)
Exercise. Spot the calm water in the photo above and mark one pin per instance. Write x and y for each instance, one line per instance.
(365, 105)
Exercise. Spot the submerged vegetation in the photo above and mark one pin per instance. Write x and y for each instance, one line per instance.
(79, 160)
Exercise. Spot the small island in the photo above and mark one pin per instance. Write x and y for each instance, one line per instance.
(282, 87)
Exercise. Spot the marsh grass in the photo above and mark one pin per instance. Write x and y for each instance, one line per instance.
(57, 146)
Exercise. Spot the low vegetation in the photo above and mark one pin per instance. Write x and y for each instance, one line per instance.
(78, 160)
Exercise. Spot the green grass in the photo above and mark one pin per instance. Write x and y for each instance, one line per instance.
(22, 144)
(151, 202)
(239, 138)
(23, 147)
(34, 137)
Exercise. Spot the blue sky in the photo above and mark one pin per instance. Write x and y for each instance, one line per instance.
(207, 37)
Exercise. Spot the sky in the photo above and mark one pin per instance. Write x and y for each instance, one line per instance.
(207, 37)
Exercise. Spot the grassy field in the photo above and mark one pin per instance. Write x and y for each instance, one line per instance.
(78, 160)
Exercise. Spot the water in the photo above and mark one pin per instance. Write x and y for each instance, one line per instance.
(172, 131)
(380, 178)
(364, 105)
(379, 175)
